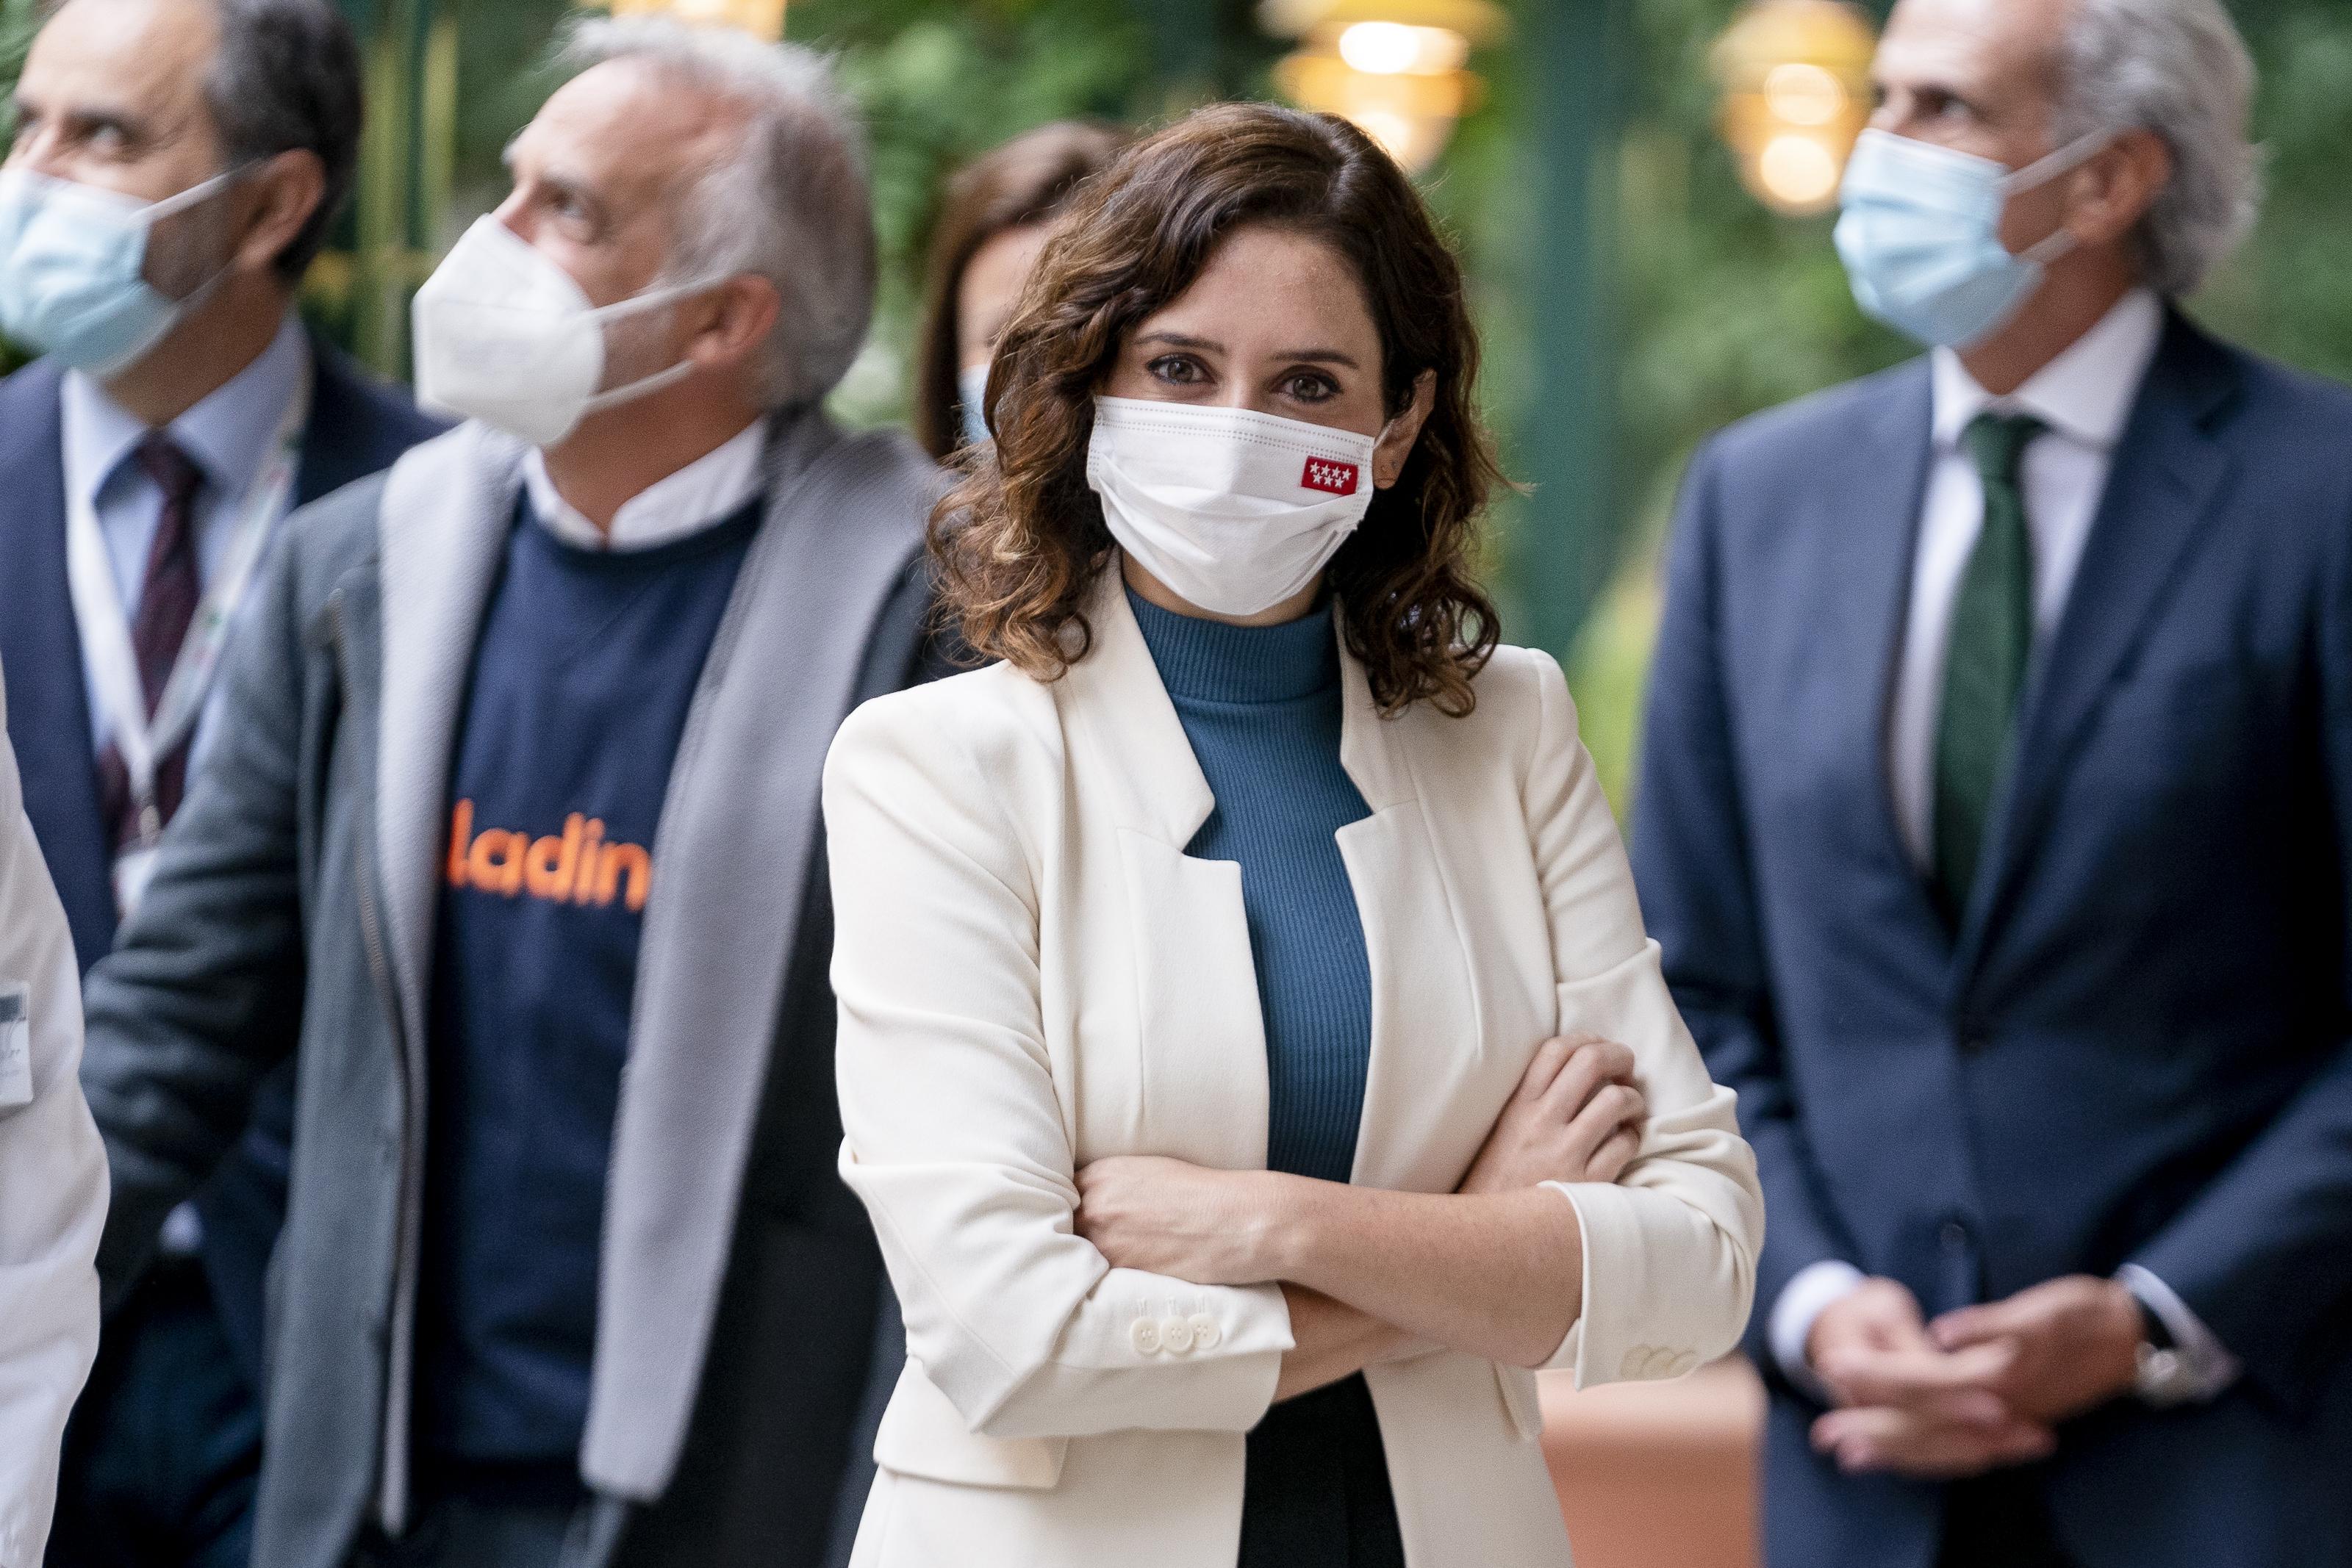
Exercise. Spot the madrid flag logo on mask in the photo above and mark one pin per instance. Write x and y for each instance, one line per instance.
(1329, 475)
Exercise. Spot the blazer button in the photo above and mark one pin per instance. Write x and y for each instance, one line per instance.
(1206, 1334)
(1954, 1235)
(1144, 1336)
(1636, 1362)
(1176, 1334)
(1681, 1365)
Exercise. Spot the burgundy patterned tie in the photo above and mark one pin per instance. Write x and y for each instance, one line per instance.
(167, 603)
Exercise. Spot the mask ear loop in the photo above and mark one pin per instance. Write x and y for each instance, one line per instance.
(202, 190)
(2048, 167)
(2059, 242)
(636, 305)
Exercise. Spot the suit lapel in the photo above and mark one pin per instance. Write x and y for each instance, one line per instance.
(1874, 539)
(447, 510)
(40, 652)
(2168, 471)
(356, 426)
(737, 848)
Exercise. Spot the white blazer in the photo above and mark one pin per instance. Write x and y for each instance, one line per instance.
(52, 1182)
(1032, 974)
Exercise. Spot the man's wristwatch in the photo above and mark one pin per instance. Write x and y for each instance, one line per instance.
(2164, 1378)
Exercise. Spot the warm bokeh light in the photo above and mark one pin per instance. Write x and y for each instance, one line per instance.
(1394, 67)
(760, 18)
(1800, 171)
(1803, 94)
(1796, 94)
(1392, 48)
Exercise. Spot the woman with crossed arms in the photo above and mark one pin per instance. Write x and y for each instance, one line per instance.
(1209, 966)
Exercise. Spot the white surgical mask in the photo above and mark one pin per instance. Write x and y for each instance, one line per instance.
(1234, 511)
(504, 335)
(1920, 236)
(73, 269)
(971, 398)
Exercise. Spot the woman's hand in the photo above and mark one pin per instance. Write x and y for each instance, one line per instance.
(1186, 1221)
(1575, 1117)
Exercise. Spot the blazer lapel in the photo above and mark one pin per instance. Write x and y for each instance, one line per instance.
(737, 846)
(447, 510)
(1199, 1090)
(2168, 474)
(1427, 1024)
(40, 652)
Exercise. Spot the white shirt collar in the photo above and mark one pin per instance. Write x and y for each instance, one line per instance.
(2084, 394)
(227, 433)
(708, 490)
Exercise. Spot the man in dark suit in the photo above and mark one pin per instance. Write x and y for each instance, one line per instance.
(178, 412)
(1996, 818)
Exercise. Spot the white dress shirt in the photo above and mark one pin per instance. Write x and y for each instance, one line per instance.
(52, 1183)
(707, 491)
(226, 434)
(2083, 397)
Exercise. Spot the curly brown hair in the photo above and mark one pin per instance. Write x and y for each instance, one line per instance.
(1020, 543)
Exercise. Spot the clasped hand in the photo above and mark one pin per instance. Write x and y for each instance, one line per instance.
(1975, 1390)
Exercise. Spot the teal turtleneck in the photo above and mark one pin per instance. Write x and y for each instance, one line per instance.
(1261, 705)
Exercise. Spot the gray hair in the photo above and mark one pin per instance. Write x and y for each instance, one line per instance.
(790, 204)
(2177, 67)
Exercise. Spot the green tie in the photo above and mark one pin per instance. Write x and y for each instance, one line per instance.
(1992, 637)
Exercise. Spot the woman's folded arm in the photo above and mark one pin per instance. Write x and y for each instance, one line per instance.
(954, 1137)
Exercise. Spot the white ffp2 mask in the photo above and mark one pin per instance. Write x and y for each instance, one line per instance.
(505, 336)
(1235, 511)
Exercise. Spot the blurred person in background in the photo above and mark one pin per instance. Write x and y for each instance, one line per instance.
(990, 227)
(177, 165)
(52, 1182)
(1199, 963)
(515, 786)
(1996, 817)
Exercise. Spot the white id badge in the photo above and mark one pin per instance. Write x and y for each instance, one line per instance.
(16, 1045)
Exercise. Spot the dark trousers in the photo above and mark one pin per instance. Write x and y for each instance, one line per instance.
(1315, 1489)
(1998, 1521)
(165, 1448)
(529, 1516)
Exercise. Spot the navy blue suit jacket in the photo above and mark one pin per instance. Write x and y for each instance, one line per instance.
(2134, 1047)
(357, 426)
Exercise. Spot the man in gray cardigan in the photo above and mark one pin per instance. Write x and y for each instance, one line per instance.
(515, 790)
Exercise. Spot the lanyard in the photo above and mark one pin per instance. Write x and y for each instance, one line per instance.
(144, 742)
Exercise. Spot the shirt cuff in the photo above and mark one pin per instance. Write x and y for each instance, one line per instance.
(1803, 1301)
(2210, 1365)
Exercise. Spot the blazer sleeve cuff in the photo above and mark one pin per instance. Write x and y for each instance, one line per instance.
(1650, 1287)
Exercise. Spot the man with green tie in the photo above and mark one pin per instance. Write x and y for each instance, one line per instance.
(1996, 822)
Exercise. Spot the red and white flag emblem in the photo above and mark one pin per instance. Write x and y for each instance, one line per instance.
(1330, 476)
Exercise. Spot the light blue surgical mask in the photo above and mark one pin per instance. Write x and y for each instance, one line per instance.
(73, 261)
(971, 398)
(1920, 236)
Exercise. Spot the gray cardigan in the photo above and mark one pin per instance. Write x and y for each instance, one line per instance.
(292, 907)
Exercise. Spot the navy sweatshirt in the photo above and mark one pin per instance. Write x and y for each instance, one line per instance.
(585, 667)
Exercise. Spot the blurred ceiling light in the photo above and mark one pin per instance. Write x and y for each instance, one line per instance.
(1795, 75)
(1392, 48)
(760, 18)
(1394, 67)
